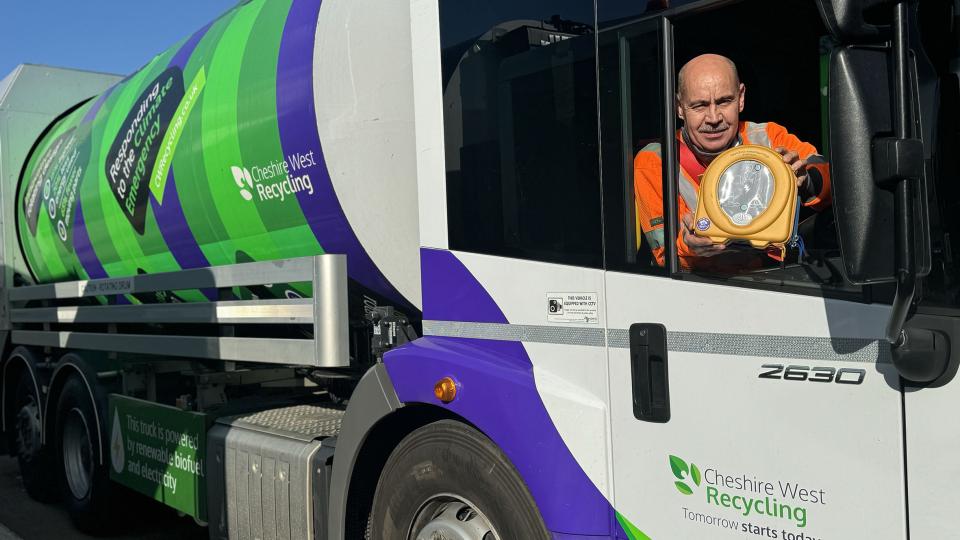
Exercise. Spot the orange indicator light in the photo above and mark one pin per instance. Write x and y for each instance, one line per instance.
(445, 389)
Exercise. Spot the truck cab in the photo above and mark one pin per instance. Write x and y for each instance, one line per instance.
(698, 403)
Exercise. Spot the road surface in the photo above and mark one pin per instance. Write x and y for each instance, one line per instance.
(22, 518)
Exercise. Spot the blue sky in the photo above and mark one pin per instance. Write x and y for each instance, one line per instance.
(113, 36)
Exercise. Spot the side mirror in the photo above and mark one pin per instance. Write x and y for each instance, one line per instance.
(878, 184)
(861, 111)
(868, 159)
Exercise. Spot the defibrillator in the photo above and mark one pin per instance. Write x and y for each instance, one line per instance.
(748, 194)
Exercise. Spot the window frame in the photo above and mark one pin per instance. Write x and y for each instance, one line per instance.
(567, 256)
(670, 163)
(623, 139)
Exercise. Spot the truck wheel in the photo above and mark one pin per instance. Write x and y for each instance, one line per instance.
(32, 457)
(86, 487)
(447, 480)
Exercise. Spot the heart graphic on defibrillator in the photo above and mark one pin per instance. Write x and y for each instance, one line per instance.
(748, 194)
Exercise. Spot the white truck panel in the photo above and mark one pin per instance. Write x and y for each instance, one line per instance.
(364, 101)
(428, 106)
(571, 379)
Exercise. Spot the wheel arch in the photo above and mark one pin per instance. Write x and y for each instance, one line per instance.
(21, 360)
(381, 440)
(375, 422)
(500, 396)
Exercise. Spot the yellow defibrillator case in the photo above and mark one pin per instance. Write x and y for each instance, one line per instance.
(748, 193)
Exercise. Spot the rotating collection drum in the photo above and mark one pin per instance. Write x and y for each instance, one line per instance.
(209, 155)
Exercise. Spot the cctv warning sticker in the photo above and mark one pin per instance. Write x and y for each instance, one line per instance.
(573, 308)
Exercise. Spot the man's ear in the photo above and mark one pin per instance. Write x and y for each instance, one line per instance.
(679, 107)
(743, 92)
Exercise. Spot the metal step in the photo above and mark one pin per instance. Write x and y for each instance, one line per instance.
(301, 422)
(269, 472)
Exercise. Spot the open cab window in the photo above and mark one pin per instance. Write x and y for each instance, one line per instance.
(785, 78)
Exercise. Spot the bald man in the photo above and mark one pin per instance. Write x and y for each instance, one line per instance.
(709, 100)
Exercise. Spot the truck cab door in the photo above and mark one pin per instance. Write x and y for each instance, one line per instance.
(764, 406)
(784, 414)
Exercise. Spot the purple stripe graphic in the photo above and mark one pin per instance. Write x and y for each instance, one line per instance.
(170, 217)
(498, 395)
(92, 113)
(176, 232)
(296, 119)
(88, 257)
(84, 249)
(171, 221)
(174, 228)
(450, 292)
(563, 536)
(183, 55)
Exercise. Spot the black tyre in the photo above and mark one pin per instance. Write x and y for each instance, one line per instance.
(447, 480)
(35, 461)
(85, 483)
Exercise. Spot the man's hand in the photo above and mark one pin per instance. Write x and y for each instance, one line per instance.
(798, 165)
(701, 247)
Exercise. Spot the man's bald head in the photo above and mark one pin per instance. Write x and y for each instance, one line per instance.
(710, 99)
(709, 64)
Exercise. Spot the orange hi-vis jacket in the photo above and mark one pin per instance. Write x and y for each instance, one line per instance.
(648, 187)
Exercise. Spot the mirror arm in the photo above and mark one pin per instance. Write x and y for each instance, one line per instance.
(906, 271)
(919, 354)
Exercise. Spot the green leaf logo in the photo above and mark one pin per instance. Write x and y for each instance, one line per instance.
(682, 471)
(679, 467)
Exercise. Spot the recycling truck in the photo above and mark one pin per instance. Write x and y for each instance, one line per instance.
(371, 269)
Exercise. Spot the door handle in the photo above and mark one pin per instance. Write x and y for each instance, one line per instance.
(648, 366)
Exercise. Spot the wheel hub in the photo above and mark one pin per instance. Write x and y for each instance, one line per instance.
(28, 429)
(77, 453)
(452, 518)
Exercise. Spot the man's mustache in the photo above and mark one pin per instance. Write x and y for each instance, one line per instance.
(719, 129)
